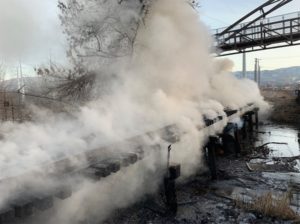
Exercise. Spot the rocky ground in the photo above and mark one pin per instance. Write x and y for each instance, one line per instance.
(257, 187)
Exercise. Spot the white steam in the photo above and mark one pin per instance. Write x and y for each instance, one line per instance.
(171, 79)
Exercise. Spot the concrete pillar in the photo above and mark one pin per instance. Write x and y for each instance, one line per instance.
(244, 128)
(250, 121)
(170, 193)
(211, 156)
(256, 119)
(237, 141)
(173, 173)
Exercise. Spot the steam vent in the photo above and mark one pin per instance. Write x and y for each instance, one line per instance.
(149, 111)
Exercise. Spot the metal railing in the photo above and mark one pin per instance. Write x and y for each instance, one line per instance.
(265, 21)
(261, 34)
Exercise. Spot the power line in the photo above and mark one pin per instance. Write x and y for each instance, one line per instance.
(279, 58)
(217, 20)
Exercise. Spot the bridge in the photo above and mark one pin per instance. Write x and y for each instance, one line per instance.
(260, 33)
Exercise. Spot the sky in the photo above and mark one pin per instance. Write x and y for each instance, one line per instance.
(30, 32)
(222, 13)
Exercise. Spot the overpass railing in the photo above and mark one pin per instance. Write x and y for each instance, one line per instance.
(273, 30)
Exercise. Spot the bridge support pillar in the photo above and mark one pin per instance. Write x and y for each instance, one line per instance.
(256, 118)
(231, 140)
(237, 141)
(244, 128)
(249, 119)
(170, 187)
(211, 156)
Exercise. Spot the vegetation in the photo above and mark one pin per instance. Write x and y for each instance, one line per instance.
(269, 205)
(101, 34)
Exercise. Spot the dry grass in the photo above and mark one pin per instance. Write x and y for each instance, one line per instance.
(269, 205)
(285, 108)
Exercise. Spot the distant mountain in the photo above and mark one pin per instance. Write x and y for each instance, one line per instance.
(277, 77)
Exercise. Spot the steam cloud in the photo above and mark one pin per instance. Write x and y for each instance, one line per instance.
(171, 79)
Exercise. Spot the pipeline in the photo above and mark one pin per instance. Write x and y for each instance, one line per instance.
(98, 166)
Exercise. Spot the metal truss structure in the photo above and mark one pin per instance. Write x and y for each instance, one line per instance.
(261, 32)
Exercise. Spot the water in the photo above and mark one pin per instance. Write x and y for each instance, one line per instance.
(290, 136)
(282, 134)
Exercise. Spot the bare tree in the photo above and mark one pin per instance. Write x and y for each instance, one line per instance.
(98, 28)
(66, 84)
(99, 32)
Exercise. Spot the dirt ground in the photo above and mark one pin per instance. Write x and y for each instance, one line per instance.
(201, 200)
(285, 108)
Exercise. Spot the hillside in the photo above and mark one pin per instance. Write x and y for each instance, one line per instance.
(277, 77)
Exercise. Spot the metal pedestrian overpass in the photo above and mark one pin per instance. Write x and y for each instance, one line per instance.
(261, 32)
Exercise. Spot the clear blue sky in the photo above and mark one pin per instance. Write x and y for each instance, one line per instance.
(221, 13)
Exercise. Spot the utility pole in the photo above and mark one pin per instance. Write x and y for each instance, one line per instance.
(22, 87)
(50, 58)
(18, 78)
(244, 65)
(256, 70)
(259, 75)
